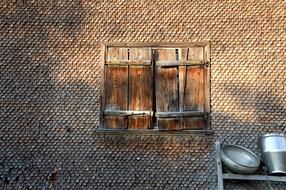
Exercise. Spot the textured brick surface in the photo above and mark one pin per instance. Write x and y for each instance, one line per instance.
(49, 90)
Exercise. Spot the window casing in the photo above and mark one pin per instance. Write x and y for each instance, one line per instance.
(155, 87)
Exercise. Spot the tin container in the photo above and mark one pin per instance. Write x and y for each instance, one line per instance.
(273, 152)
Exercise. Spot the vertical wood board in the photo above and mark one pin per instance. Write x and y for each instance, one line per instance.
(167, 89)
(140, 95)
(140, 90)
(116, 87)
(194, 92)
(182, 86)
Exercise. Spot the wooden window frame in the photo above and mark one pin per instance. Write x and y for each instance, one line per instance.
(205, 63)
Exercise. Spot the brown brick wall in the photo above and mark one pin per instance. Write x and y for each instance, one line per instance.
(49, 90)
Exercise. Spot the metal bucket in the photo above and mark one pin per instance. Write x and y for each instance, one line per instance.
(273, 152)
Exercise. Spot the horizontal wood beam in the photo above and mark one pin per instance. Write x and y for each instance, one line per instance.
(153, 132)
(129, 62)
(181, 63)
(254, 177)
(126, 113)
(157, 44)
(179, 114)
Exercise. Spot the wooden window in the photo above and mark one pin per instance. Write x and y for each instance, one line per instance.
(155, 87)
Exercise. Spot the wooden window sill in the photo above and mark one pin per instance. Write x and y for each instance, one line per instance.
(154, 132)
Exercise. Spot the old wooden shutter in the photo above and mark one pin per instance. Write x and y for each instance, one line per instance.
(180, 76)
(128, 88)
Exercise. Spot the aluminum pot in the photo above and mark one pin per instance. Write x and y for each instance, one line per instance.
(239, 160)
(273, 152)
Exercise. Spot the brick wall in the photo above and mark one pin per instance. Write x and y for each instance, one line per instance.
(49, 90)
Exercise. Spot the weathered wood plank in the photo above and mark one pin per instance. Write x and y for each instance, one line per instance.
(182, 86)
(194, 92)
(158, 132)
(116, 54)
(166, 81)
(167, 89)
(169, 124)
(140, 54)
(157, 44)
(115, 122)
(179, 114)
(166, 54)
(207, 85)
(127, 113)
(193, 123)
(140, 95)
(140, 122)
(196, 53)
(116, 87)
(140, 91)
(140, 88)
(183, 54)
(207, 53)
(129, 62)
(180, 63)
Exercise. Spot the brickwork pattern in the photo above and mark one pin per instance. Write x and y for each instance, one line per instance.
(49, 90)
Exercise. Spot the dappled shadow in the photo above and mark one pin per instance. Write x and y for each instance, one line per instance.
(39, 114)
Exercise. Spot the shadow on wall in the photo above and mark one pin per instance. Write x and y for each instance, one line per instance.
(251, 111)
(37, 113)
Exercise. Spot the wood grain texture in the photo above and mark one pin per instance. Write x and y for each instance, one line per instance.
(207, 53)
(193, 123)
(196, 53)
(183, 54)
(129, 62)
(115, 122)
(140, 93)
(115, 53)
(182, 87)
(140, 54)
(179, 63)
(178, 87)
(158, 44)
(179, 114)
(140, 88)
(207, 58)
(116, 87)
(194, 92)
(140, 122)
(169, 124)
(167, 89)
(166, 54)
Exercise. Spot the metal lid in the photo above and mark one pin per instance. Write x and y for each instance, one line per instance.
(273, 134)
